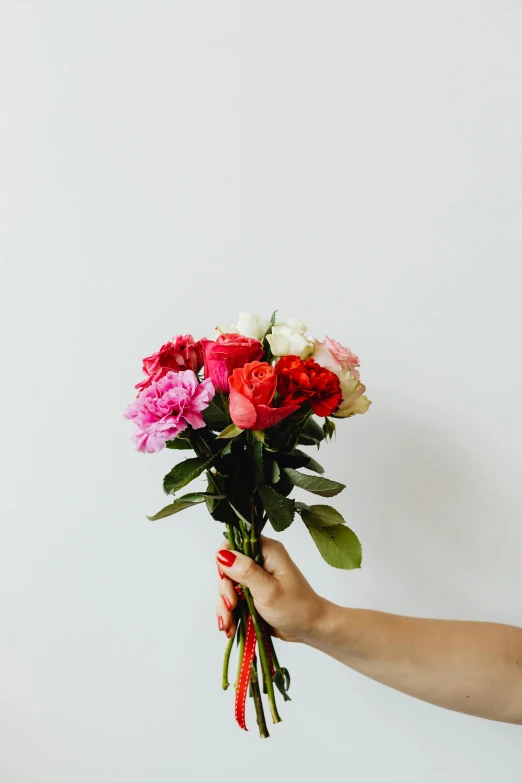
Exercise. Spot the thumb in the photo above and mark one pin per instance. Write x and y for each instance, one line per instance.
(245, 571)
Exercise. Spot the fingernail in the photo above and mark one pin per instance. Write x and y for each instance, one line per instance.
(228, 605)
(226, 557)
(220, 623)
(229, 634)
(220, 572)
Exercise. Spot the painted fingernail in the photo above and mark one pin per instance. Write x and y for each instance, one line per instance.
(220, 623)
(228, 605)
(220, 572)
(226, 557)
(229, 634)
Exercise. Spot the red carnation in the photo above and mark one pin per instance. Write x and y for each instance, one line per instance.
(182, 354)
(301, 381)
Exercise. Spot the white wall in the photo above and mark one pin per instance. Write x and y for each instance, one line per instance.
(163, 165)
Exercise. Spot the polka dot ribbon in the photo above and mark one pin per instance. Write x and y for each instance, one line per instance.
(245, 669)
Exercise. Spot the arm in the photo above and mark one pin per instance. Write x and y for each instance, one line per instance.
(469, 667)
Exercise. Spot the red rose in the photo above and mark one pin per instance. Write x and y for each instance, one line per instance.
(307, 381)
(252, 390)
(225, 354)
(182, 354)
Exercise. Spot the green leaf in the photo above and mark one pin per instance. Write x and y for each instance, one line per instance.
(223, 512)
(227, 449)
(232, 431)
(275, 473)
(215, 416)
(187, 501)
(328, 429)
(183, 473)
(312, 433)
(298, 459)
(178, 443)
(279, 510)
(316, 484)
(321, 516)
(280, 684)
(259, 435)
(310, 463)
(338, 545)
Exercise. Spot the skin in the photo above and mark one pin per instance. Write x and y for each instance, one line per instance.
(469, 667)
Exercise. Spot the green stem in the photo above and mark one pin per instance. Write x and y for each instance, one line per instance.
(300, 429)
(230, 536)
(242, 634)
(244, 535)
(258, 702)
(224, 681)
(277, 667)
(265, 665)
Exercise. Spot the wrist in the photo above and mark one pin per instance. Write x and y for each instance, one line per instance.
(323, 621)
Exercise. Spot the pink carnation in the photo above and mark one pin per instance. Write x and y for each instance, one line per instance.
(166, 408)
(330, 353)
(182, 354)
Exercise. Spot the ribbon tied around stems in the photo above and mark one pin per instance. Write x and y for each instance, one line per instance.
(245, 671)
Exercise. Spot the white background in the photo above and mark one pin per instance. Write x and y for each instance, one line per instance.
(164, 165)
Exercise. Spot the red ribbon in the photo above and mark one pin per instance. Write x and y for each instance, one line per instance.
(248, 657)
(244, 673)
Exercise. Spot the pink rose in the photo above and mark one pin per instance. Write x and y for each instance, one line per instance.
(182, 354)
(227, 353)
(330, 353)
(167, 407)
(252, 390)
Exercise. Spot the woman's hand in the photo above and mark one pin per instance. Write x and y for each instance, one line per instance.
(281, 594)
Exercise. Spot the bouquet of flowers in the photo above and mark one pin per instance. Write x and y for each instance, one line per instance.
(244, 403)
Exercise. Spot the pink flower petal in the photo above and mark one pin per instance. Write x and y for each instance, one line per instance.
(242, 412)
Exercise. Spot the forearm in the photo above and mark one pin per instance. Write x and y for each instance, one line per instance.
(470, 667)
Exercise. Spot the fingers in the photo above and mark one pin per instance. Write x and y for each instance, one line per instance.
(227, 593)
(227, 601)
(244, 571)
(225, 618)
(275, 557)
(235, 568)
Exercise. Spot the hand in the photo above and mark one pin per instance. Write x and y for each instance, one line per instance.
(281, 594)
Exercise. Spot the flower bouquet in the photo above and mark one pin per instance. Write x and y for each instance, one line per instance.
(244, 403)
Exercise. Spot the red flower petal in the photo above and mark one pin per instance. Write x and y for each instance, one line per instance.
(267, 417)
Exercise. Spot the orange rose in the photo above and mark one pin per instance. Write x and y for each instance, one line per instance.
(252, 390)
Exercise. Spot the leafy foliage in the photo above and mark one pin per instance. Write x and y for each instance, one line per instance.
(320, 516)
(316, 484)
(185, 472)
(312, 434)
(338, 545)
(179, 443)
(232, 431)
(251, 475)
(186, 501)
(279, 510)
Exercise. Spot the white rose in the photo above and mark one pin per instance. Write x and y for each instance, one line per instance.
(248, 325)
(354, 398)
(290, 338)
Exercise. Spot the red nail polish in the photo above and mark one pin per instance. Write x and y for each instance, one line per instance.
(220, 572)
(220, 623)
(226, 557)
(229, 634)
(228, 605)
